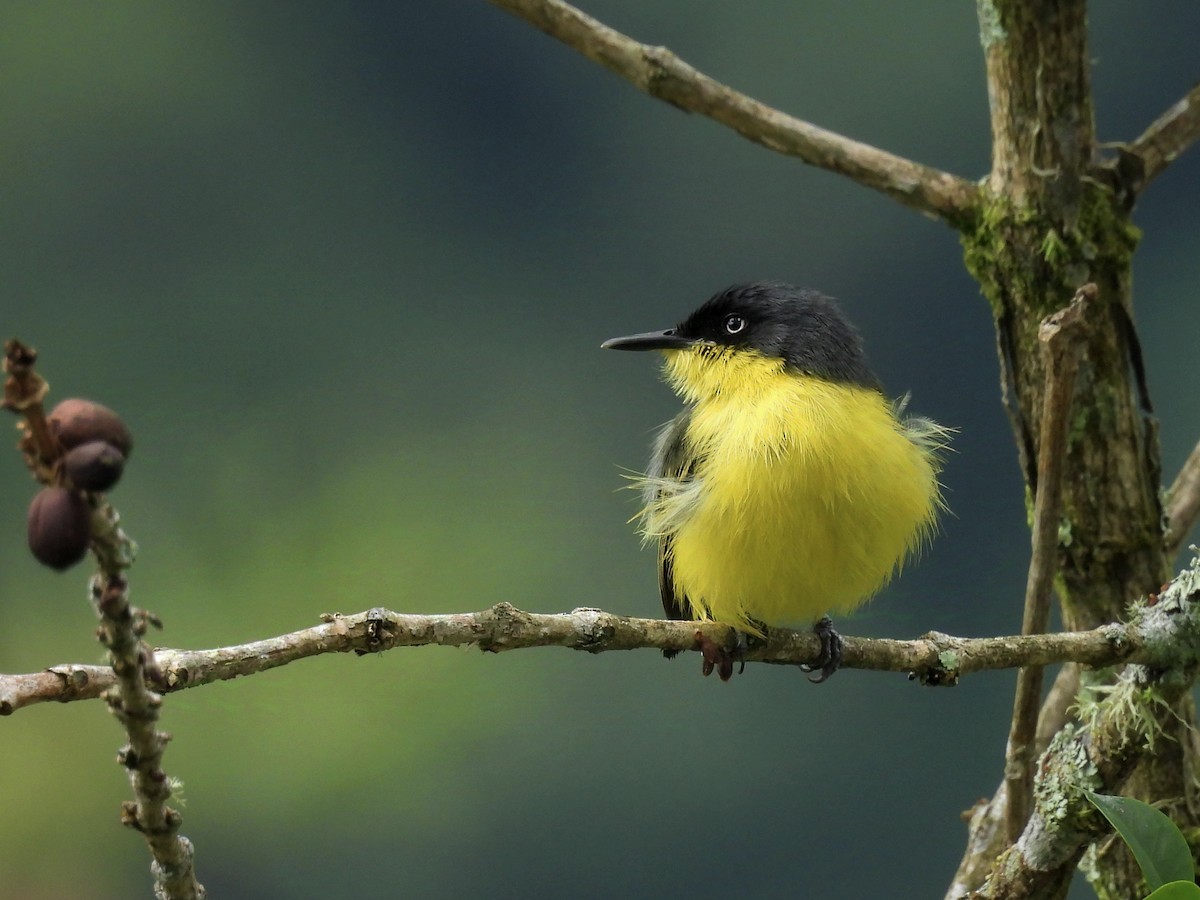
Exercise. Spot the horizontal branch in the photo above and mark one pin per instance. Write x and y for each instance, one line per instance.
(1167, 137)
(935, 658)
(661, 74)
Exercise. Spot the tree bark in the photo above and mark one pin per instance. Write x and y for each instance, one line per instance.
(1054, 216)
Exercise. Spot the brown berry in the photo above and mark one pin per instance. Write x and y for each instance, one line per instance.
(59, 527)
(75, 421)
(94, 466)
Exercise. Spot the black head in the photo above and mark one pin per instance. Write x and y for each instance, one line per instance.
(804, 328)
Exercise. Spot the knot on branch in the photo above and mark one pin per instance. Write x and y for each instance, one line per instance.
(129, 817)
(595, 629)
(668, 78)
(1169, 621)
(659, 60)
(944, 673)
(378, 632)
(500, 626)
(1118, 639)
(939, 662)
(73, 678)
(128, 757)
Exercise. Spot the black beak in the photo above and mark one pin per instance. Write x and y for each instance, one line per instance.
(651, 340)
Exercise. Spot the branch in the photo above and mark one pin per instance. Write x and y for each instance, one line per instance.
(1166, 138)
(987, 819)
(24, 391)
(1183, 507)
(125, 687)
(136, 706)
(935, 658)
(661, 74)
(1062, 338)
(1040, 100)
(1119, 727)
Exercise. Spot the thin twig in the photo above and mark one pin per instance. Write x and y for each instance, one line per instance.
(660, 73)
(985, 842)
(1061, 336)
(136, 706)
(1183, 505)
(1166, 138)
(24, 391)
(122, 625)
(934, 658)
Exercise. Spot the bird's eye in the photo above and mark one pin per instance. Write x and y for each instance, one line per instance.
(734, 324)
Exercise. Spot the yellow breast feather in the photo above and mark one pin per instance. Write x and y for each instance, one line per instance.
(802, 495)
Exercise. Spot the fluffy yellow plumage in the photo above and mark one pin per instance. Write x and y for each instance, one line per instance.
(806, 497)
(789, 487)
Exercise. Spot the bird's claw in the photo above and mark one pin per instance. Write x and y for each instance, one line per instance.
(716, 656)
(721, 657)
(830, 659)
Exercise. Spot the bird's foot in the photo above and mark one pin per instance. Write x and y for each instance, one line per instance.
(716, 656)
(831, 651)
(721, 657)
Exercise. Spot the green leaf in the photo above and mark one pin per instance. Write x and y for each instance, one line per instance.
(1157, 844)
(1177, 890)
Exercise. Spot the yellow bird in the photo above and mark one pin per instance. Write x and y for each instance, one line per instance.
(789, 487)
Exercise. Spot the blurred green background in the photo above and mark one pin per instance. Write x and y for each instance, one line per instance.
(345, 269)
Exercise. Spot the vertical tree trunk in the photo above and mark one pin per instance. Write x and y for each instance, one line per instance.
(1054, 218)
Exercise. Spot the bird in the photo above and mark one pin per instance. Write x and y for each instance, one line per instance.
(789, 488)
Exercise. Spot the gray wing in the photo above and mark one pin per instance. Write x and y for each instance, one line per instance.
(670, 459)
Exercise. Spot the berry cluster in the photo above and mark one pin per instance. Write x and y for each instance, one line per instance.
(94, 445)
